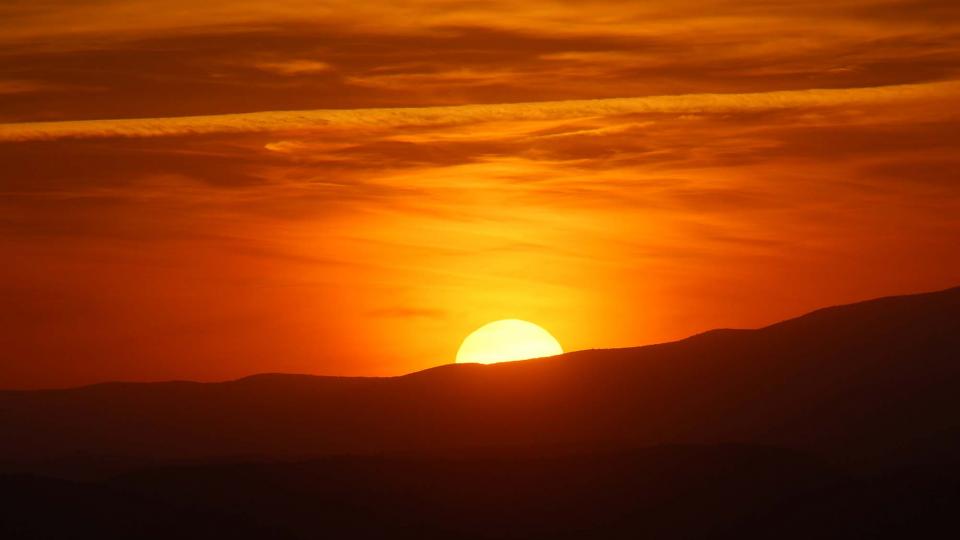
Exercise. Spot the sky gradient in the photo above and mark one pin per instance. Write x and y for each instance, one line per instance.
(209, 191)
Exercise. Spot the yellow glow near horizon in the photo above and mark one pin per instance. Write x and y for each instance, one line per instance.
(507, 340)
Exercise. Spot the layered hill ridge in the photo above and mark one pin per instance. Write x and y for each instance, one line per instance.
(868, 382)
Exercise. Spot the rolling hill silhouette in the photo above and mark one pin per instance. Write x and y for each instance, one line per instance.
(843, 423)
(869, 382)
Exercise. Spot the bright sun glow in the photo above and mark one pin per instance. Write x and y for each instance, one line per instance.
(506, 340)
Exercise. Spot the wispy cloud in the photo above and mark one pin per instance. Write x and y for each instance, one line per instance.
(20, 87)
(273, 121)
(294, 67)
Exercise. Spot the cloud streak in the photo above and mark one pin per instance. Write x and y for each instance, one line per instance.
(311, 120)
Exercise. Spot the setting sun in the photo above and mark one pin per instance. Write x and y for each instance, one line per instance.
(507, 340)
(261, 260)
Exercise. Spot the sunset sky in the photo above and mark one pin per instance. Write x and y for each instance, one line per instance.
(207, 190)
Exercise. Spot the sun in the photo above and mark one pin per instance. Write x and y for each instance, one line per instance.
(506, 340)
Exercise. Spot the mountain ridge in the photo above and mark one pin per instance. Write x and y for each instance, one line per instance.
(871, 381)
(566, 355)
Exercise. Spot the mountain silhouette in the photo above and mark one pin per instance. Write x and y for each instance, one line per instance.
(873, 382)
(842, 423)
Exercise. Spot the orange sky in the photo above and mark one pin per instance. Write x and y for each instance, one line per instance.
(209, 191)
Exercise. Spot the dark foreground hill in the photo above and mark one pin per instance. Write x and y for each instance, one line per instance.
(667, 493)
(49, 508)
(868, 383)
(675, 492)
